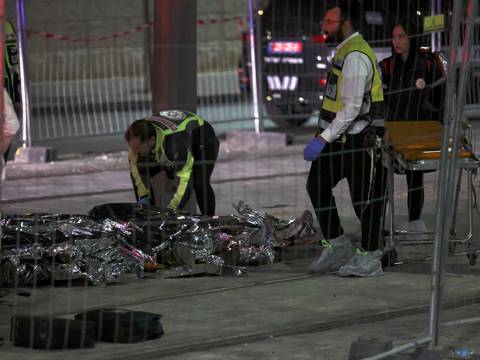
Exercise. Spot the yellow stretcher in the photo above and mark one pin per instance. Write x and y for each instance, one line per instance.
(415, 146)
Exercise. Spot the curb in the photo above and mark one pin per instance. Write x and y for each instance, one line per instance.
(118, 162)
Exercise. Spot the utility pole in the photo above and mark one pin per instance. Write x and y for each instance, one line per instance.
(174, 65)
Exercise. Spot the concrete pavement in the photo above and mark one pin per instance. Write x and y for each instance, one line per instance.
(277, 311)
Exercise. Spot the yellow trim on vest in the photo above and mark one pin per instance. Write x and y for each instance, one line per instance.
(357, 43)
(188, 119)
(184, 176)
(142, 190)
(158, 150)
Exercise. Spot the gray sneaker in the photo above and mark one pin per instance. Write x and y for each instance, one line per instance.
(335, 254)
(363, 264)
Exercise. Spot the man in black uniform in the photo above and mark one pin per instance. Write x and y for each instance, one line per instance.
(182, 146)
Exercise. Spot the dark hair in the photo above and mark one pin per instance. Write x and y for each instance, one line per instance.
(410, 27)
(141, 129)
(350, 10)
(412, 32)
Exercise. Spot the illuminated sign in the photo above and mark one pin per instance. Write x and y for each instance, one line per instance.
(285, 47)
(282, 83)
(434, 23)
(282, 60)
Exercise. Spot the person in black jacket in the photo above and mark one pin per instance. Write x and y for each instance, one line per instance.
(413, 81)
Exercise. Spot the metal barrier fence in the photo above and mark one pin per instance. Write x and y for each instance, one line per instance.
(93, 83)
(87, 76)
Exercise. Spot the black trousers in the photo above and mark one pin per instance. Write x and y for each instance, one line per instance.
(415, 197)
(367, 183)
(205, 146)
(5, 155)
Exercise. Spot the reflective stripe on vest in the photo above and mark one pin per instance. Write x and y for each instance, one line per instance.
(170, 121)
(166, 123)
(332, 99)
(184, 175)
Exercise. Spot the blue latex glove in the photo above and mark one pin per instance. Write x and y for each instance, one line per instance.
(145, 201)
(314, 148)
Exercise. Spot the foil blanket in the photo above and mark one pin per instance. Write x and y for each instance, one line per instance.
(118, 238)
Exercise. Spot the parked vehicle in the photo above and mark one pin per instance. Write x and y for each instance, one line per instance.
(294, 58)
(293, 61)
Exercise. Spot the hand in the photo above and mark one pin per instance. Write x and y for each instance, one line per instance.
(145, 201)
(314, 148)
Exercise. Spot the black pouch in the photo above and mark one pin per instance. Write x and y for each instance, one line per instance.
(123, 326)
(373, 137)
(42, 332)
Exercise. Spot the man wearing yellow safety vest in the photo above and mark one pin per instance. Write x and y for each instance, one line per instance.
(350, 122)
(179, 144)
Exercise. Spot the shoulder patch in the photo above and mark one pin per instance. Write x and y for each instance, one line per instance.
(173, 114)
(420, 83)
(162, 122)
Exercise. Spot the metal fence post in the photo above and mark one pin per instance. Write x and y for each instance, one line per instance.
(2, 116)
(2, 56)
(448, 166)
(258, 52)
(436, 8)
(256, 101)
(22, 50)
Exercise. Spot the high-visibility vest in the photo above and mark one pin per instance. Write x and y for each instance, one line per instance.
(332, 98)
(169, 123)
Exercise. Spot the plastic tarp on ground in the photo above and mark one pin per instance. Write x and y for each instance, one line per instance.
(118, 238)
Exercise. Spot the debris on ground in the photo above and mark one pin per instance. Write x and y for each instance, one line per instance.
(118, 238)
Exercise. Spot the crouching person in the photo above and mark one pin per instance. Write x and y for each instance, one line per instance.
(179, 148)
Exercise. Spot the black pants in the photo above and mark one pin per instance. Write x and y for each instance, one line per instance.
(205, 146)
(415, 194)
(5, 155)
(352, 161)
